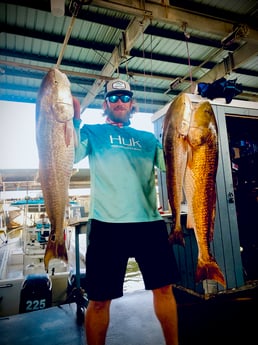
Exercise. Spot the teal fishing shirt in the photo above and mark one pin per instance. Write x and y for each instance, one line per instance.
(122, 169)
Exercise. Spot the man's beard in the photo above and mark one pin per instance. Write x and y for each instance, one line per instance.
(114, 118)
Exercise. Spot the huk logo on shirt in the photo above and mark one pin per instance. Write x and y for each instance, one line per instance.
(129, 143)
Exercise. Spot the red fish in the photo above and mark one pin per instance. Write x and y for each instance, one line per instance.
(55, 142)
(175, 130)
(191, 156)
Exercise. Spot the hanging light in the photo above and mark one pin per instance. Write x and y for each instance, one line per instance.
(57, 7)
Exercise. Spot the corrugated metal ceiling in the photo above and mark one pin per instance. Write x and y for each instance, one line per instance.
(167, 39)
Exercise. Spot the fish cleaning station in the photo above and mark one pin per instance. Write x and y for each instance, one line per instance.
(192, 73)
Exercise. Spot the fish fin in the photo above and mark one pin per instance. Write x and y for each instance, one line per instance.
(68, 132)
(176, 237)
(75, 138)
(55, 250)
(210, 271)
(213, 214)
(189, 221)
(189, 156)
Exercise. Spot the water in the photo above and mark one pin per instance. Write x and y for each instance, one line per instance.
(133, 277)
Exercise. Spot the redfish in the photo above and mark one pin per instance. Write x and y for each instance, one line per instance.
(175, 129)
(191, 139)
(55, 143)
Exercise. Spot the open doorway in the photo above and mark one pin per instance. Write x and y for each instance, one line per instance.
(243, 144)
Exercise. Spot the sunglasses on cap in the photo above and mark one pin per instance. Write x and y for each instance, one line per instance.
(123, 98)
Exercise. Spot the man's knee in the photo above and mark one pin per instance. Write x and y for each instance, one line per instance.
(99, 305)
(164, 290)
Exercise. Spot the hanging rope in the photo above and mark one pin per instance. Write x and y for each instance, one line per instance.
(144, 70)
(66, 39)
(187, 36)
(146, 99)
(152, 101)
(74, 8)
(189, 60)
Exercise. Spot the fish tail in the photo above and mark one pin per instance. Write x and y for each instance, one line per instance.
(177, 237)
(210, 271)
(55, 250)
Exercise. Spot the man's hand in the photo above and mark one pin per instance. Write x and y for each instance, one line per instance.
(77, 108)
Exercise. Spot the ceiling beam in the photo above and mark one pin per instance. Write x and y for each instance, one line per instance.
(131, 34)
(46, 69)
(174, 11)
(156, 11)
(27, 179)
(236, 59)
(161, 11)
(90, 45)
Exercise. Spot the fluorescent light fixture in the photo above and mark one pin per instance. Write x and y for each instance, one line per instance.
(57, 7)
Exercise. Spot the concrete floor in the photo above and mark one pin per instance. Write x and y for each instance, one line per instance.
(222, 319)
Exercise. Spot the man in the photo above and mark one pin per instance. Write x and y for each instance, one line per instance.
(124, 220)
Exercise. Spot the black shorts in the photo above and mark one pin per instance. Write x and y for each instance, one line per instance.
(110, 245)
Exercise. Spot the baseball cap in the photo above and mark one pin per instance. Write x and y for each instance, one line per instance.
(118, 86)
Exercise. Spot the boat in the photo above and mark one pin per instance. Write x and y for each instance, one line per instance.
(22, 258)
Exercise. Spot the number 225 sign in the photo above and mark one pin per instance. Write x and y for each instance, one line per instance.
(35, 304)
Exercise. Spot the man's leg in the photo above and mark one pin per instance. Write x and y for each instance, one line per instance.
(166, 311)
(96, 322)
